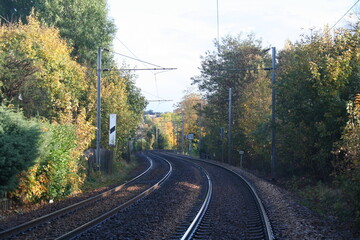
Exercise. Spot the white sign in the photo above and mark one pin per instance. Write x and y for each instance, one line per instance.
(190, 136)
(112, 130)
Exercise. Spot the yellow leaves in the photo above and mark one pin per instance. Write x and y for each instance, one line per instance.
(314, 68)
(85, 132)
(357, 100)
(58, 77)
(31, 186)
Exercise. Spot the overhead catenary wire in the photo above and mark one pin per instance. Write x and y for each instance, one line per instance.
(154, 95)
(159, 68)
(157, 92)
(138, 69)
(136, 59)
(127, 48)
(344, 15)
(131, 51)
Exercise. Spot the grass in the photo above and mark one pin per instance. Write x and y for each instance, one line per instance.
(329, 200)
(121, 170)
(322, 198)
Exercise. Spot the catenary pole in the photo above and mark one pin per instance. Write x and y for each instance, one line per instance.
(200, 131)
(222, 133)
(273, 116)
(230, 121)
(182, 132)
(99, 70)
(98, 123)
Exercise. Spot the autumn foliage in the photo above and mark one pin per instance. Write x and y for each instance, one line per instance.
(317, 111)
(40, 80)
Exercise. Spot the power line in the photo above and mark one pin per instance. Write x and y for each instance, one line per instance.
(144, 63)
(136, 59)
(126, 47)
(129, 50)
(165, 100)
(138, 69)
(153, 95)
(344, 15)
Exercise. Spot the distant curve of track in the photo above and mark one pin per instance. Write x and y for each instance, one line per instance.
(235, 211)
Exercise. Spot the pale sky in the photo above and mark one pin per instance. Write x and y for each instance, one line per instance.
(174, 33)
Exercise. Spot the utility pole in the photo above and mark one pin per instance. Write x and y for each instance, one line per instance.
(230, 122)
(222, 135)
(273, 115)
(200, 131)
(99, 70)
(182, 132)
(98, 123)
(217, 20)
(156, 137)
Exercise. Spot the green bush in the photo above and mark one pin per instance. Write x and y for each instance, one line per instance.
(57, 162)
(339, 198)
(350, 207)
(38, 161)
(19, 140)
(56, 173)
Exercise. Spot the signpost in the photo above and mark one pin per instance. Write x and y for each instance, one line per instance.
(241, 158)
(222, 136)
(190, 136)
(112, 130)
(98, 114)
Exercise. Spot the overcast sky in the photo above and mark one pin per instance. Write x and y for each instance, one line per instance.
(175, 33)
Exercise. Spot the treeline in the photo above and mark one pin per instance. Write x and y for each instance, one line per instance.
(317, 109)
(317, 95)
(165, 130)
(48, 90)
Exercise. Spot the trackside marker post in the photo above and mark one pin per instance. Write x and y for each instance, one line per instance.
(112, 130)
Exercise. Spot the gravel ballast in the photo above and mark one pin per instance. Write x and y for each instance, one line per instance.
(290, 219)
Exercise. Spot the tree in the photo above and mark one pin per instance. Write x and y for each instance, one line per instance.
(315, 82)
(239, 65)
(15, 10)
(84, 24)
(39, 76)
(190, 106)
(127, 104)
(38, 73)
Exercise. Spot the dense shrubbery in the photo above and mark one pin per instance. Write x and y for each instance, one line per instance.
(19, 141)
(57, 171)
(39, 160)
(39, 76)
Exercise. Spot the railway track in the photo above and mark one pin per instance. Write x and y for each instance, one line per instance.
(197, 201)
(235, 212)
(57, 225)
(158, 216)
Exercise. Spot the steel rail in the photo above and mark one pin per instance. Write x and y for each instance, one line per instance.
(33, 223)
(191, 230)
(189, 233)
(112, 212)
(269, 235)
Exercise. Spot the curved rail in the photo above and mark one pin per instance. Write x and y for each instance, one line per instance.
(191, 230)
(110, 213)
(267, 226)
(199, 216)
(37, 221)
